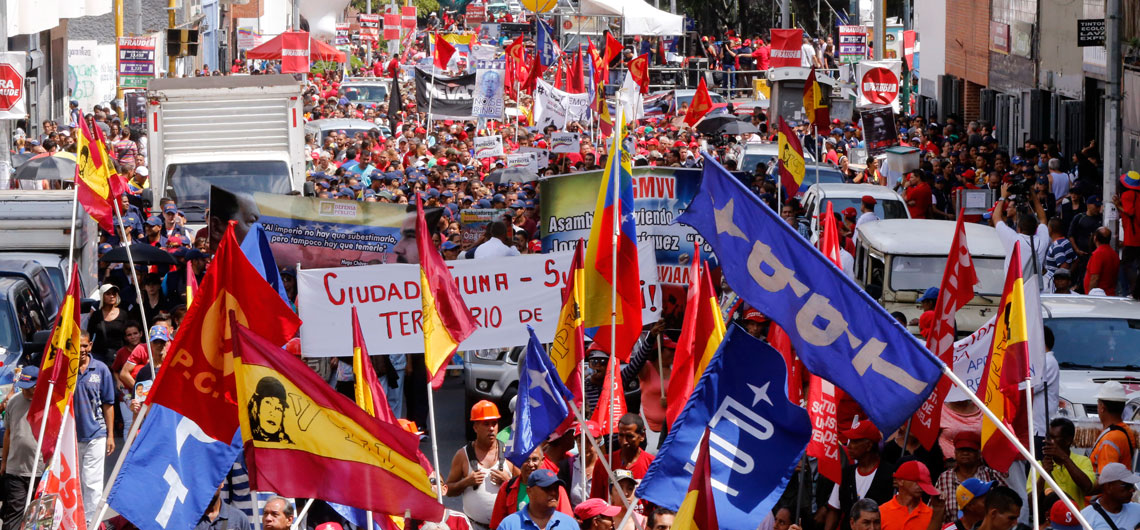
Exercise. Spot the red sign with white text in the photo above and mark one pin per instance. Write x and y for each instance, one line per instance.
(391, 26)
(295, 52)
(880, 86)
(11, 87)
(369, 27)
(786, 48)
(824, 444)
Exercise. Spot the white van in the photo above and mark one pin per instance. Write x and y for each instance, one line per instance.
(896, 260)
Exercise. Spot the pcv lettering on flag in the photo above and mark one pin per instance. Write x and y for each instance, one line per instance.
(176, 494)
(745, 419)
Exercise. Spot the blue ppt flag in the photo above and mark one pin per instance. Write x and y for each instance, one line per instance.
(756, 435)
(545, 43)
(541, 406)
(839, 332)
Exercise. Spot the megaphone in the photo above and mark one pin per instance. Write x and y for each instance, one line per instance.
(321, 15)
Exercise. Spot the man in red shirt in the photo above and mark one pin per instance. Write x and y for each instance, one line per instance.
(1128, 203)
(630, 434)
(762, 55)
(906, 511)
(1103, 267)
(919, 195)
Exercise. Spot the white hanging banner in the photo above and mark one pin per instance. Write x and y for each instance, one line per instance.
(879, 83)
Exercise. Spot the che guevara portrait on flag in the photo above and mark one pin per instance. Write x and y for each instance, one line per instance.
(267, 408)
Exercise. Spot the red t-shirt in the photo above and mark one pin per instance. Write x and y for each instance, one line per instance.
(1105, 263)
(922, 197)
(600, 483)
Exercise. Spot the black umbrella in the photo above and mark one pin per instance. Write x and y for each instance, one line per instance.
(19, 158)
(713, 124)
(506, 176)
(47, 167)
(737, 127)
(142, 253)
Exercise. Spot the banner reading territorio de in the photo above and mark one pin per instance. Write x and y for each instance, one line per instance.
(660, 194)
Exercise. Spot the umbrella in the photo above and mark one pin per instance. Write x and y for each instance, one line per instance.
(60, 166)
(712, 125)
(506, 176)
(318, 51)
(142, 253)
(20, 158)
(737, 127)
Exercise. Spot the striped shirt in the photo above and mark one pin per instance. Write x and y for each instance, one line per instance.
(947, 486)
(1060, 252)
(641, 352)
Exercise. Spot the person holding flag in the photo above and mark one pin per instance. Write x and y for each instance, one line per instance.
(19, 449)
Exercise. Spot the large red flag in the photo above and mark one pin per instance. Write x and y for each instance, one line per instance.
(611, 404)
(955, 291)
(446, 319)
(533, 74)
(700, 105)
(701, 335)
(639, 70)
(1007, 367)
(576, 80)
(698, 510)
(822, 403)
(787, 48)
(613, 48)
(443, 52)
(59, 365)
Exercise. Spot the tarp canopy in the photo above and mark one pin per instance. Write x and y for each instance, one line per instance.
(638, 17)
(318, 51)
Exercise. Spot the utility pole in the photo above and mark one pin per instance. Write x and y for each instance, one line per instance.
(785, 14)
(880, 14)
(137, 4)
(906, 15)
(6, 125)
(171, 22)
(297, 14)
(368, 51)
(117, 9)
(1112, 118)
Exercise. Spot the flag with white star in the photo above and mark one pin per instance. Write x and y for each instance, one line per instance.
(541, 405)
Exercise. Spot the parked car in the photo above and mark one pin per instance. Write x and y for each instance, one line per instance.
(37, 276)
(896, 260)
(888, 203)
(1096, 339)
(24, 326)
(756, 154)
(349, 126)
(366, 90)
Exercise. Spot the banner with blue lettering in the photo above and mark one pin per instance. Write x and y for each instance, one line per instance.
(756, 435)
(839, 332)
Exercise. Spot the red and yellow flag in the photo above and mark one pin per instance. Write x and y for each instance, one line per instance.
(611, 258)
(287, 414)
(568, 349)
(446, 319)
(97, 183)
(370, 395)
(791, 161)
(639, 70)
(815, 106)
(700, 105)
(701, 334)
(60, 365)
(1007, 367)
(698, 510)
(191, 285)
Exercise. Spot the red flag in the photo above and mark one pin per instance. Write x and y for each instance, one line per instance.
(534, 73)
(661, 53)
(955, 291)
(443, 52)
(639, 70)
(613, 48)
(698, 510)
(700, 105)
(446, 319)
(601, 68)
(63, 479)
(779, 339)
(370, 394)
(787, 48)
(60, 364)
(611, 404)
(295, 52)
(824, 444)
(560, 75)
(576, 80)
(829, 240)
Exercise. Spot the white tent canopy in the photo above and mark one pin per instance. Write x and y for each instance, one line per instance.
(638, 17)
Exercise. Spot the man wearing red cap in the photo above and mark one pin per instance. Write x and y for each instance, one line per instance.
(596, 514)
(967, 464)
(906, 511)
(755, 323)
(868, 213)
(868, 478)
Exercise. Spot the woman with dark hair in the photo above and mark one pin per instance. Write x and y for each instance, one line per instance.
(267, 411)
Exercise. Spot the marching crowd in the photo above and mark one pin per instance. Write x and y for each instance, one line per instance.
(890, 481)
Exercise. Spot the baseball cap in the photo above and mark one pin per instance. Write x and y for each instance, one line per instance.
(158, 332)
(169, 208)
(196, 254)
(1062, 517)
(969, 489)
(543, 478)
(869, 200)
(968, 440)
(625, 474)
(916, 471)
(755, 316)
(863, 430)
(143, 171)
(448, 245)
(28, 377)
(103, 289)
(592, 426)
(591, 508)
(1111, 391)
(154, 221)
(930, 294)
(595, 351)
(849, 212)
(1094, 200)
(1117, 471)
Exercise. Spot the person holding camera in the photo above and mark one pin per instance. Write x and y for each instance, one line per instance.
(1032, 231)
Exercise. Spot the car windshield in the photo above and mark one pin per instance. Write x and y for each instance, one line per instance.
(56, 275)
(749, 161)
(189, 184)
(918, 273)
(369, 93)
(9, 337)
(350, 133)
(884, 208)
(1097, 343)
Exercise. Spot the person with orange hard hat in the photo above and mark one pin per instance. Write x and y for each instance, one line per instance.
(478, 469)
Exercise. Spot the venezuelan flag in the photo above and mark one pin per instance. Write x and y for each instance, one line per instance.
(701, 334)
(611, 256)
(96, 181)
(1006, 368)
(698, 510)
(370, 395)
(446, 319)
(287, 416)
(568, 349)
(791, 161)
(61, 365)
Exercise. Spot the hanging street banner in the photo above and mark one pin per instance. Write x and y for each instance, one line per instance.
(489, 101)
(787, 48)
(451, 97)
(489, 146)
(879, 83)
(852, 44)
(369, 27)
(90, 72)
(136, 61)
(505, 295)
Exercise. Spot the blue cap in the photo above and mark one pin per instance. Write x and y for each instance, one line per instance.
(1017, 160)
(105, 248)
(930, 294)
(159, 332)
(169, 208)
(154, 220)
(28, 377)
(483, 203)
(498, 198)
(518, 204)
(448, 193)
(1094, 200)
(432, 193)
(837, 130)
(530, 204)
(196, 254)
(543, 478)
(448, 245)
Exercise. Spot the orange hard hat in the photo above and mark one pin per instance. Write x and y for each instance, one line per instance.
(484, 411)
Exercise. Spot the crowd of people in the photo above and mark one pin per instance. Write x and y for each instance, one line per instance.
(889, 480)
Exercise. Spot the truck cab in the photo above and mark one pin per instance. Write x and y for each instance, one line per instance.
(242, 133)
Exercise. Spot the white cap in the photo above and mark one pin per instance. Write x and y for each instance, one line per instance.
(1116, 471)
(143, 171)
(1111, 391)
(1097, 291)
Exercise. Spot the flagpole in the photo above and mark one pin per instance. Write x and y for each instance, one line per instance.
(906, 437)
(138, 286)
(54, 458)
(305, 511)
(40, 439)
(74, 216)
(1032, 449)
(131, 435)
(614, 237)
(583, 426)
(1004, 430)
(434, 437)
(604, 461)
(815, 140)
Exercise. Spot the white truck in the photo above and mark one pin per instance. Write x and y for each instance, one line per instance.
(242, 133)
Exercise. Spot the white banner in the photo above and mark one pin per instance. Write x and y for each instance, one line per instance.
(13, 97)
(525, 161)
(489, 100)
(543, 155)
(565, 142)
(970, 360)
(504, 294)
(879, 83)
(90, 72)
(489, 146)
(556, 107)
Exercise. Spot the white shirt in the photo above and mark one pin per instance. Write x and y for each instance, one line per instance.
(1061, 184)
(807, 53)
(494, 248)
(1041, 240)
(1043, 403)
(862, 485)
(848, 263)
(863, 218)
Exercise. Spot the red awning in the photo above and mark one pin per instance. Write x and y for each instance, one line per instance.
(318, 50)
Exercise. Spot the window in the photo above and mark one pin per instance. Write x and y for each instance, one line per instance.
(919, 273)
(1096, 343)
(29, 312)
